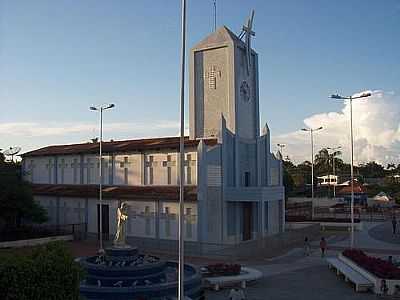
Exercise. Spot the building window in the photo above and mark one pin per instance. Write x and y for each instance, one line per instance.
(189, 226)
(147, 217)
(151, 171)
(167, 222)
(75, 172)
(189, 169)
(126, 169)
(246, 178)
(169, 172)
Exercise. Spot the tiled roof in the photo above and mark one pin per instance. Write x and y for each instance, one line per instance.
(358, 189)
(166, 193)
(117, 146)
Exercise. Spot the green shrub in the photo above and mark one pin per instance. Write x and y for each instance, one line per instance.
(49, 272)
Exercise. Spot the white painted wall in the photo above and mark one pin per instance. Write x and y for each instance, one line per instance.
(42, 170)
(50, 204)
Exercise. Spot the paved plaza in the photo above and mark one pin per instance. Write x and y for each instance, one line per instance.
(309, 284)
(294, 276)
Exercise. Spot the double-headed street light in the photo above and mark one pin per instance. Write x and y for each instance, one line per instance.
(312, 130)
(100, 109)
(334, 153)
(281, 146)
(351, 98)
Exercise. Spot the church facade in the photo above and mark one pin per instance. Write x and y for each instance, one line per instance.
(233, 183)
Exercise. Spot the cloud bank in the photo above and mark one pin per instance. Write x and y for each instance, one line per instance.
(376, 125)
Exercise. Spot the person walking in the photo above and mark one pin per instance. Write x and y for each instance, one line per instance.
(394, 224)
(306, 247)
(322, 246)
(384, 287)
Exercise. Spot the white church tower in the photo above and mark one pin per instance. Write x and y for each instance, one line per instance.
(247, 200)
(224, 85)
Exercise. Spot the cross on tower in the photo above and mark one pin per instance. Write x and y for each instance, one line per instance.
(248, 32)
(212, 75)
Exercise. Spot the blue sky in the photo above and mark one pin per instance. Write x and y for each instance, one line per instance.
(59, 57)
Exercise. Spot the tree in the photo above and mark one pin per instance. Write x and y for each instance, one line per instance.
(49, 272)
(372, 170)
(16, 199)
(322, 162)
(288, 181)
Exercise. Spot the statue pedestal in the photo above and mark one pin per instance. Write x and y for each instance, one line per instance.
(125, 253)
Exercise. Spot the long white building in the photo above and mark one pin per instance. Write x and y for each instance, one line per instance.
(234, 188)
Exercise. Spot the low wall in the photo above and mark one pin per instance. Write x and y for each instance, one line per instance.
(375, 280)
(318, 202)
(35, 242)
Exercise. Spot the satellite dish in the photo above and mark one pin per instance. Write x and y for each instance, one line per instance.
(11, 152)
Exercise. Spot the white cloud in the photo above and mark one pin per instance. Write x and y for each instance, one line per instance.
(376, 124)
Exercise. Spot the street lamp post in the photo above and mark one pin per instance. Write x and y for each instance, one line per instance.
(312, 130)
(281, 146)
(100, 109)
(181, 240)
(351, 98)
(333, 165)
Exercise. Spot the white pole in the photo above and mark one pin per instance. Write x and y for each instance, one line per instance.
(352, 174)
(334, 178)
(312, 166)
(181, 291)
(101, 181)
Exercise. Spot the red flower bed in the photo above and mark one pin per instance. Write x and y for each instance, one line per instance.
(223, 269)
(379, 267)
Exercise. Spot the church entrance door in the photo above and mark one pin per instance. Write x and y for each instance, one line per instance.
(247, 218)
(105, 220)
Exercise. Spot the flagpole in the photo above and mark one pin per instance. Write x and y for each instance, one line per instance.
(181, 292)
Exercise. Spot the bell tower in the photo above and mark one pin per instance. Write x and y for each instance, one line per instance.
(224, 85)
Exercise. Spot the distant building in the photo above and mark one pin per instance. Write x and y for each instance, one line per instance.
(360, 194)
(234, 189)
(328, 180)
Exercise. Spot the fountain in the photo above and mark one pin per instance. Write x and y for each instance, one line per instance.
(121, 272)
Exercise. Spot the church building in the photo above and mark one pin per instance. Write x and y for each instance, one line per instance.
(233, 183)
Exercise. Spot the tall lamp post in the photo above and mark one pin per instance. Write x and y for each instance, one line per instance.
(100, 109)
(181, 271)
(312, 130)
(351, 98)
(281, 146)
(334, 152)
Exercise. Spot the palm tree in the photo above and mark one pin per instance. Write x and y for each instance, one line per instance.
(322, 162)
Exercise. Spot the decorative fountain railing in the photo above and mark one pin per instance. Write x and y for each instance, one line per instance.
(123, 273)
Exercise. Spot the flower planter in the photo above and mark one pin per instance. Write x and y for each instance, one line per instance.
(391, 283)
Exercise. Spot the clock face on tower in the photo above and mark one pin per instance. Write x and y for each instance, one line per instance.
(245, 91)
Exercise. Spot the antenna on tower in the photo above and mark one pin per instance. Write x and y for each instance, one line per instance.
(215, 14)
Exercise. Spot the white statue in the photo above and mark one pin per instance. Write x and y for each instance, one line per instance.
(122, 216)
